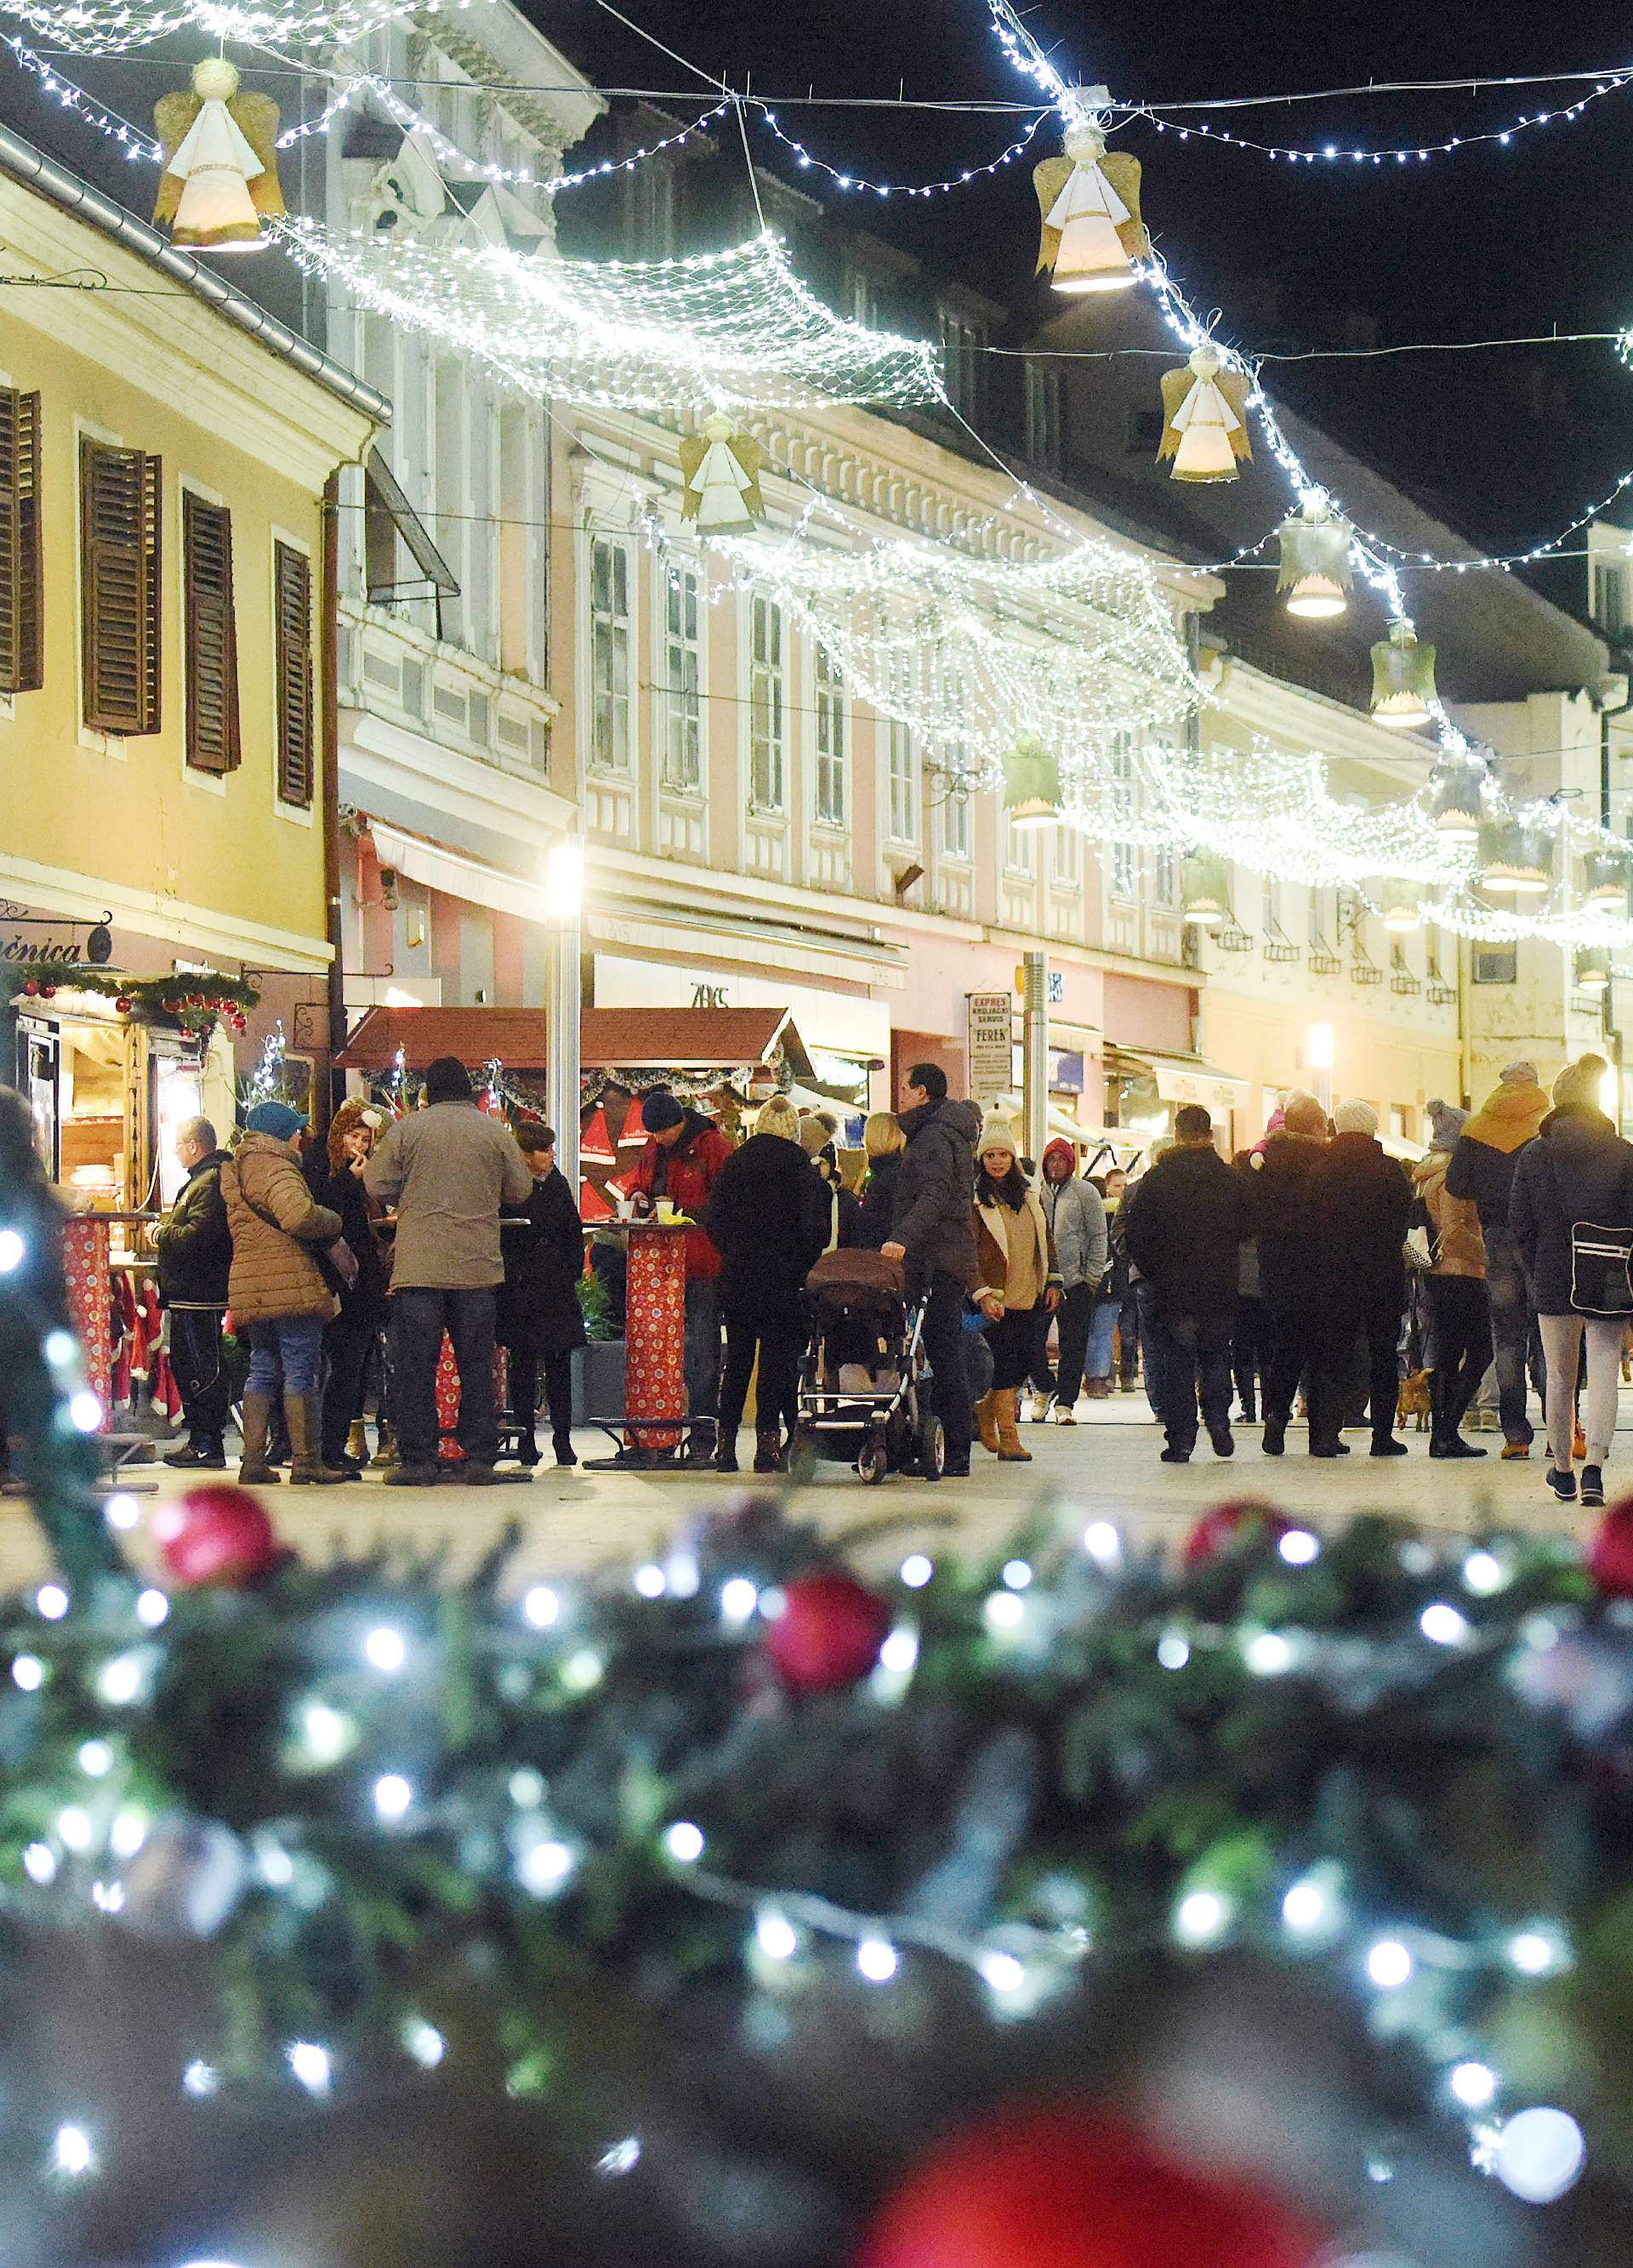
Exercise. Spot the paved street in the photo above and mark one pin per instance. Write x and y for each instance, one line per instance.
(1106, 1467)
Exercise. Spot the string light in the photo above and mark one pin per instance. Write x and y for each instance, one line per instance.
(1406, 154)
(113, 28)
(861, 183)
(733, 327)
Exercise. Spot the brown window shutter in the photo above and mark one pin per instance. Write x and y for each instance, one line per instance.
(297, 720)
(211, 635)
(118, 534)
(21, 596)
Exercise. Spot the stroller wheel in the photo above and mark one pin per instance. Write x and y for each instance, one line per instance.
(932, 1448)
(873, 1460)
(802, 1458)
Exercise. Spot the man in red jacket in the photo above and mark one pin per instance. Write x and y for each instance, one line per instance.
(682, 1161)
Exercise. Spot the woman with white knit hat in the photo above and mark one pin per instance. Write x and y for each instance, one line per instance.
(1016, 1276)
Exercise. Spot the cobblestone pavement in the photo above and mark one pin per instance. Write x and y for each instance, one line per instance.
(1106, 1467)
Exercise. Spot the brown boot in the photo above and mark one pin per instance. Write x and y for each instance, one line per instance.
(308, 1469)
(358, 1443)
(254, 1471)
(987, 1422)
(385, 1446)
(1010, 1449)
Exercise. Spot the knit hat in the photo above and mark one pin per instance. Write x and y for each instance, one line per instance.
(1355, 1117)
(1302, 1114)
(778, 1116)
(997, 1133)
(1446, 1121)
(274, 1118)
(1577, 1087)
(659, 1111)
(1522, 1073)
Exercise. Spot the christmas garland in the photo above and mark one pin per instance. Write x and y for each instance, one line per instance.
(189, 1002)
(724, 1886)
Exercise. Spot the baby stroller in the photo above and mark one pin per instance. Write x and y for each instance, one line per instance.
(862, 1379)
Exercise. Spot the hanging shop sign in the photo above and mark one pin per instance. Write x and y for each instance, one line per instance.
(990, 1049)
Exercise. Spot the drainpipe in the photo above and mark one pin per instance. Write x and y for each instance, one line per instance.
(336, 978)
(1607, 709)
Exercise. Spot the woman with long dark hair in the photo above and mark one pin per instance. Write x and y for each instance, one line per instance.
(1015, 1277)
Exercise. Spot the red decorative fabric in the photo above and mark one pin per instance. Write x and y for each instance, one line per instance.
(655, 1336)
(85, 1270)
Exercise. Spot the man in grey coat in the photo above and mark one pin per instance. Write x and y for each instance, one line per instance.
(933, 1231)
(1076, 1219)
(446, 1169)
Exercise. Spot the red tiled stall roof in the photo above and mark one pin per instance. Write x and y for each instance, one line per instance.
(634, 1039)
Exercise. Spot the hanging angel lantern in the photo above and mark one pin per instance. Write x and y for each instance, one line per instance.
(1205, 890)
(1030, 784)
(722, 470)
(1315, 561)
(1205, 413)
(221, 166)
(1093, 232)
(1403, 680)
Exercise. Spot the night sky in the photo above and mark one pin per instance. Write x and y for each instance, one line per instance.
(1489, 242)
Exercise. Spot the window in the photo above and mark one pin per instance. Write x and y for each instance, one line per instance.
(903, 766)
(118, 539)
(651, 211)
(1143, 435)
(830, 740)
(1043, 419)
(297, 719)
(609, 655)
(1065, 856)
(210, 636)
(1122, 811)
(1021, 851)
(21, 608)
(1164, 877)
(866, 305)
(1610, 599)
(683, 726)
(766, 783)
(1495, 964)
(1272, 906)
(963, 345)
(955, 821)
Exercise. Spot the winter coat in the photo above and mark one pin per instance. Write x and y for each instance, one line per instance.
(995, 1225)
(686, 1172)
(1455, 1231)
(1489, 1146)
(1182, 1222)
(1579, 1169)
(539, 1307)
(1282, 1220)
(343, 1191)
(1076, 1219)
(193, 1243)
(769, 1218)
(878, 1202)
(932, 1210)
(1360, 1209)
(841, 1206)
(275, 1275)
(1117, 1283)
(447, 1170)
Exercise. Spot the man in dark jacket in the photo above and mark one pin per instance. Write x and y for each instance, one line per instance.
(195, 1249)
(934, 1233)
(1279, 1193)
(1482, 1168)
(541, 1319)
(1360, 1205)
(1185, 1221)
(682, 1160)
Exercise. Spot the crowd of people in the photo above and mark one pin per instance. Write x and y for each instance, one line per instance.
(1313, 1273)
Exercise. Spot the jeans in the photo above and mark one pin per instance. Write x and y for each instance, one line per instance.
(702, 1349)
(1101, 1349)
(1248, 1348)
(1510, 1298)
(1191, 1358)
(419, 1315)
(1379, 1327)
(286, 1355)
(944, 1345)
(1128, 1334)
(1145, 1309)
(1075, 1317)
(522, 1372)
(348, 1344)
(778, 1344)
(200, 1376)
(1461, 1321)
(1294, 1336)
(1561, 1344)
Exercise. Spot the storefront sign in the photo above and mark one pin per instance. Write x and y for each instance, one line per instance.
(837, 1023)
(27, 949)
(990, 1049)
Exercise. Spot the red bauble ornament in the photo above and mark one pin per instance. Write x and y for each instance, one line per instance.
(1218, 1528)
(217, 1534)
(828, 1634)
(1066, 2188)
(1610, 1554)
(195, 999)
(47, 992)
(31, 987)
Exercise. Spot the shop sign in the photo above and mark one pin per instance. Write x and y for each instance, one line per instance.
(991, 1047)
(28, 949)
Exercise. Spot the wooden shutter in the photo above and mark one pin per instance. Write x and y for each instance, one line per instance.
(21, 661)
(210, 633)
(118, 536)
(296, 755)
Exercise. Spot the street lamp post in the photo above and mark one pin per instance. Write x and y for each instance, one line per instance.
(563, 905)
(1321, 1049)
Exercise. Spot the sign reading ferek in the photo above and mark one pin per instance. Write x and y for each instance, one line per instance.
(992, 1054)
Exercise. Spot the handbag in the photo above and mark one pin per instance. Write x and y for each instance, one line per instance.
(1601, 1270)
(1418, 1249)
(336, 1263)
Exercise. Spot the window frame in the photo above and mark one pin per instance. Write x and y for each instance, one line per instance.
(611, 634)
(903, 799)
(831, 742)
(768, 696)
(293, 669)
(22, 566)
(682, 702)
(144, 550)
(198, 507)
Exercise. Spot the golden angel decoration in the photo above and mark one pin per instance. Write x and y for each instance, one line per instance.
(722, 470)
(221, 163)
(1205, 418)
(1093, 232)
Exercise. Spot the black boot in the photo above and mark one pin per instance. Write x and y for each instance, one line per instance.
(768, 1449)
(561, 1442)
(527, 1449)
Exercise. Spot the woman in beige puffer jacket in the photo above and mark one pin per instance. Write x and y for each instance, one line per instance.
(279, 1300)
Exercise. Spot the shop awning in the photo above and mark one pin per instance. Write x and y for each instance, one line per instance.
(631, 1039)
(1182, 1079)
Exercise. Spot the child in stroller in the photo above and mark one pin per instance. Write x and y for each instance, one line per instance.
(862, 1397)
